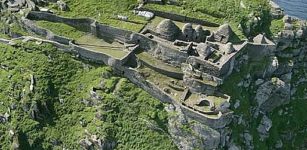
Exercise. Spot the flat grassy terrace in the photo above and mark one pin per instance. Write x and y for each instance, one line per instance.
(104, 11)
(111, 48)
(61, 29)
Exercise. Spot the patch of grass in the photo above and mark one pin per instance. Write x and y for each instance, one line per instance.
(61, 29)
(276, 26)
(104, 11)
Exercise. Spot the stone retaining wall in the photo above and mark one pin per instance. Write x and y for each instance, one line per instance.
(162, 52)
(180, 18)
(172, 74)
(159, 50)
(215, 123)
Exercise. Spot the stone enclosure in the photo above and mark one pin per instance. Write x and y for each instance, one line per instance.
(179, 65)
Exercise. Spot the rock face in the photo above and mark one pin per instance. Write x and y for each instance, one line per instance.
(189, 136)
(272, 94)
(62, 5)
(273, 66)
(264, 127)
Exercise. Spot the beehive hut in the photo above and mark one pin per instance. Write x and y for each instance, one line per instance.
(260, 39)
(199, 34)
(204, 50)
(187, 32)
(228, 48)
(167, 29)
(223, 34)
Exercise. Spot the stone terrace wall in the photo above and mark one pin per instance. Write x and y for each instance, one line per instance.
(166, 53)
(159, 50)
(137, 79)
(82, 24)
(207, 67)
(31, 27)
(172, 74)
(259, 51)
(180, 18)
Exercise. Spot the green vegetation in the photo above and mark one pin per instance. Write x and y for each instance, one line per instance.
(234, 12)
(276, 26)
(105, 11)
(63, 108)
(61, 29)
(285, 125)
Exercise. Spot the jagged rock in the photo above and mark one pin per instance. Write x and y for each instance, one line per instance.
(273, 66)
(201, 137)
(300, 34)
(86, 144)
(259, 81)
(237, 104)
(286, 77)
(233, 147)
(288, 26)
(279, 144)
(287, 19)
(62, 5)
(272, 94)
(264, 127)
(32, 83)
(248, 140)
(284, 68)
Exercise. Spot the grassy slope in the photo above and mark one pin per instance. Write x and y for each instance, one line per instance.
(132, 117)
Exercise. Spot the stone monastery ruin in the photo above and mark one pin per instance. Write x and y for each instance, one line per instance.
(179, 61)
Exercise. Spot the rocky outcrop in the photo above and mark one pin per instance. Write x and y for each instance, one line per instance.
(264, 127)
(272, 94)
(190, 135)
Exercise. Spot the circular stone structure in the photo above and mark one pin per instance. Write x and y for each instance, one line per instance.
(167, 29)
(228, 48)
(198, 35)
(187, 31)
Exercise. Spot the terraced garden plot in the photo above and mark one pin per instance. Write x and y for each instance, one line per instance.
(111, 47)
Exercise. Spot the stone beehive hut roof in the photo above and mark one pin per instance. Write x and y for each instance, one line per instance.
(199, 34)
(168, 29)
(187, 28)
(260, 39)
(204, 50)
(224, 33)
(187, 31)
(199, 28)
(228, 48)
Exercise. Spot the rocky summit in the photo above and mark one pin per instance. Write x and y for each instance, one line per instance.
(152, 74)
